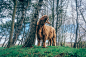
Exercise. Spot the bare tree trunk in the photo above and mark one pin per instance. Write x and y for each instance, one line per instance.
(57, 21)
(76, 27)
(53, 14)
(12, 26)
(64, 41)
(71, 42)
(31, 38)
(17, 31)
(23, 33)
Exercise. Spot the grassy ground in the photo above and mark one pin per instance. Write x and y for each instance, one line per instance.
(49, 51)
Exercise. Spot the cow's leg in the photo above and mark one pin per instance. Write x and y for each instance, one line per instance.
(50, 42)
(38, 42)
(54, 42)
(44, 41)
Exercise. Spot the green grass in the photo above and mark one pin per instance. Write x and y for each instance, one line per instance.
(49, 51)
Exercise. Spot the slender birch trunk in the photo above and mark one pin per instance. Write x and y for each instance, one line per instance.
(12, 26)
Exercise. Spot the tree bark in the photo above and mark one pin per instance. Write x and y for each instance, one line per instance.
(17, 31)
(31, 38)
(76, 27)
(53, 15)
(12, 26)
(57, 21)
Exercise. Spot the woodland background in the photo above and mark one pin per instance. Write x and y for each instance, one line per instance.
(18, 19)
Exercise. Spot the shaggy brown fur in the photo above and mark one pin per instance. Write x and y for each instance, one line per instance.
(45, 32)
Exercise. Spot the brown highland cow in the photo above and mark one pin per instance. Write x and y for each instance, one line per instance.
(45, 32)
